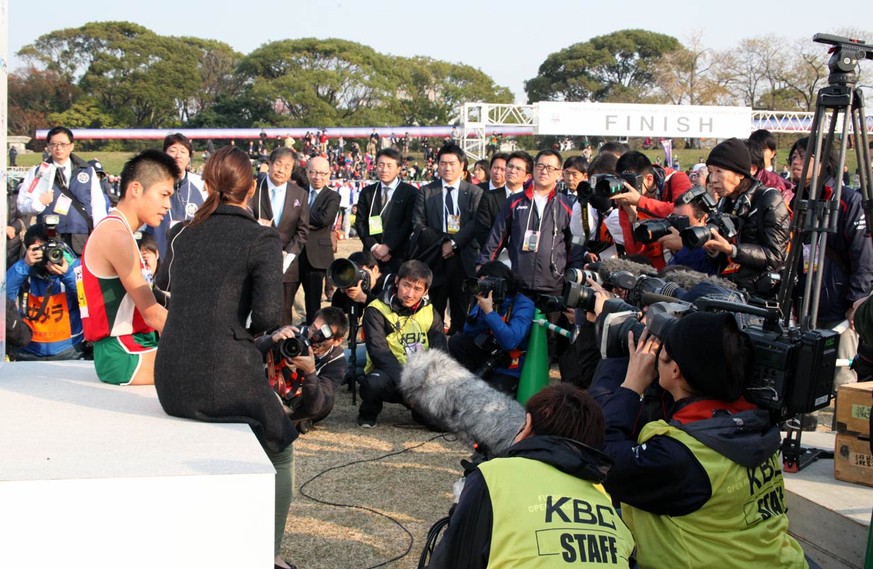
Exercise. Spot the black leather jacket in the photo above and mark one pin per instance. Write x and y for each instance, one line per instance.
(762, 223)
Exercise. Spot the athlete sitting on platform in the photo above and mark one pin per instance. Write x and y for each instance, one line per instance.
(118, 308)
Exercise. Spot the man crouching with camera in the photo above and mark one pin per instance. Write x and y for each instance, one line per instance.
(495, 334)
(704, 489)
(305, 365)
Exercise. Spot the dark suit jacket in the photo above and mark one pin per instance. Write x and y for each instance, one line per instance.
(429, 211)
(294, 225)
(322, 215)
(396, 220)
(486, 215)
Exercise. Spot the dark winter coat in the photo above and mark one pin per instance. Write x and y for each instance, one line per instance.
(207, 367)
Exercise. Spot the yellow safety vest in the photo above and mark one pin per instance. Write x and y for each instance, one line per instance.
(409, 333)
(742, 525)
(545, 518)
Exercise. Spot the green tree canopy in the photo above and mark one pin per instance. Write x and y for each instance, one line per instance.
(617, 67)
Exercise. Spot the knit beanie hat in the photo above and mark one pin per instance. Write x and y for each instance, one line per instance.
(696, 343)
(733, 155)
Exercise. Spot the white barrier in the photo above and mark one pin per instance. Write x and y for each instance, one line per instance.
(94, 475)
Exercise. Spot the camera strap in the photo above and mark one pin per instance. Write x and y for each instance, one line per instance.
(43, 305)
(62, 185)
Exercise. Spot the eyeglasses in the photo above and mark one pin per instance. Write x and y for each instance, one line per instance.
(58, 144)
(313, 174)
(516, 168)
(546, 168)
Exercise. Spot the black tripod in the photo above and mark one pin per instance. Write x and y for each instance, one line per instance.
(352, 370)
(815, 215)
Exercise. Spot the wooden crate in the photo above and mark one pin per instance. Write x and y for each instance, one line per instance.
(853, 461)
(853, 408)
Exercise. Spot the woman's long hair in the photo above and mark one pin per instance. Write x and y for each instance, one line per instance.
(229, 175)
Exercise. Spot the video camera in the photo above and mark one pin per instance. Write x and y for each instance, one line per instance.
(52, 250)
(299, 345)
(793, 370)
(481, 287)
(606, 185)
(343, 273)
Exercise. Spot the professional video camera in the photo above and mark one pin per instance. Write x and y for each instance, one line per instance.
(721, 223)
(651, 230)
(481, 287)
(606, 185)
(53, 249)
(793, 369)
(299, 345)
(343, 273)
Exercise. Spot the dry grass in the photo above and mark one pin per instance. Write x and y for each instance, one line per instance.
(413, 487)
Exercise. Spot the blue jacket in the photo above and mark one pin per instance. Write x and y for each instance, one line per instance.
(695, 259)
(184, 203)
(512, 335)
(79, 185)
(15, 279)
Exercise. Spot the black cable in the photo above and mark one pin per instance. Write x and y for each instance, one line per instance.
(365, 508)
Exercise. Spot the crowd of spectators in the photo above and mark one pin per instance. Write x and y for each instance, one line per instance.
(170, 276)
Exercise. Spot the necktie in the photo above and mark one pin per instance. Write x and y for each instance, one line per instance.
(61, 177)
(450, 204)
(312, 195)
(277, 204)
(384, 197)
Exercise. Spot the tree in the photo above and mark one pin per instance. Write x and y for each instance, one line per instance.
(617, 67)
(432, 91)
(684, 75)
(33, 95)
(217, 64)
(84, 113)
(324, 82)
(753, 68)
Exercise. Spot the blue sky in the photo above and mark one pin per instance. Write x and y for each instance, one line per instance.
(507, 39)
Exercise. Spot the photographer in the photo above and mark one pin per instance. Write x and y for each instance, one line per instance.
(495, 334)
(314, 375)
(46, 279)
(704, 489)
(688, 207)
(652, 197)
(540, 504)
(759, 214)
(402, 322)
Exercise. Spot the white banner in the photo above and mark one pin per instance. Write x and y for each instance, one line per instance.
(617, 120)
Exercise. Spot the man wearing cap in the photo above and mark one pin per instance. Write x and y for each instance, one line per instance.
(705, 488)
(105, 184)
(66, 186)
(759, 215)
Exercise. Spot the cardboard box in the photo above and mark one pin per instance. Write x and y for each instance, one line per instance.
(853, 461)
(853, 408)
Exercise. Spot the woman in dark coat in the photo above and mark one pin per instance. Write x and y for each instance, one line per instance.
(225, 266)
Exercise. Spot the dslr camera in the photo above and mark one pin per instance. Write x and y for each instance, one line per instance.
(299, 345)
(481, 287)
(651, 230)
(606, 185)
(53, 249)
(495, 356)
(343, 273)
(721, 223)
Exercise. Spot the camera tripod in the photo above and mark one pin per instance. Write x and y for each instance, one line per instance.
(815, 213)
(352, 370)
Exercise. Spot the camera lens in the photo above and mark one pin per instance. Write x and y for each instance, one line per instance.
(578, 296)
(695, 237)
(344, 273)
(293, 347)
(651, 230)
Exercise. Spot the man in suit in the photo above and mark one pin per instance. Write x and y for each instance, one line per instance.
(280, 203)
(517, 169)
(491, 200)
(384, 220)
(445, 215)
(318, 253)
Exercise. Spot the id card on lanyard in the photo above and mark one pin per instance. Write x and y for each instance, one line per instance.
(531, 240)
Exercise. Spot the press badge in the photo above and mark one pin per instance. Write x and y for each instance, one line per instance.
(80, 292)
(453, 224)
(413, 348)
(190, 210)
(62, 206)
(531, 241)
(375, 223)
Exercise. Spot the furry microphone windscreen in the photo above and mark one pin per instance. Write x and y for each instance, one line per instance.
(439, 387)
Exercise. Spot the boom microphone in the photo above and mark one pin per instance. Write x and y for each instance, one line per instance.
(436, 385)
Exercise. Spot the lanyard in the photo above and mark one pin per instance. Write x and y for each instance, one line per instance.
(384, 190)
(184, 203)
(542, 214)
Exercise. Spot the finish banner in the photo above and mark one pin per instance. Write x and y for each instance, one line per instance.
(618, 120)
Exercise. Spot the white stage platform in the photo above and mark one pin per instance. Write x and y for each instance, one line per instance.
(830, 518)
(94, 475)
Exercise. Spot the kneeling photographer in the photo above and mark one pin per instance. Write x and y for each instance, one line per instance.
(495, 335)
(46, 280)
(759, 215)
(306, 365)
(705, 488)
(688, 228)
